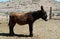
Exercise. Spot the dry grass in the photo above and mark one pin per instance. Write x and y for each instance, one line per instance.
(42, 30)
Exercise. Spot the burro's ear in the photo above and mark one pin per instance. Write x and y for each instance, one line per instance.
(42, 7)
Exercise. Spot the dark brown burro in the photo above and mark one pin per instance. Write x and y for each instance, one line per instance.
(26, 18)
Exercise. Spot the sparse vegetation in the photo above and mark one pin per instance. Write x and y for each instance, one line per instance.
(41, 29)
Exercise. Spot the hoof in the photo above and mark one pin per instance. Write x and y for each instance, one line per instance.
(31, 35)
(11, 34)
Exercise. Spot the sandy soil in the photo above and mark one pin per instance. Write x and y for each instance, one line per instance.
(41, 30)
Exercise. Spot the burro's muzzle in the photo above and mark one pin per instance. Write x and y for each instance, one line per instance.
(46, 19)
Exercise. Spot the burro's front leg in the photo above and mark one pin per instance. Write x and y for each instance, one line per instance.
(31, 29)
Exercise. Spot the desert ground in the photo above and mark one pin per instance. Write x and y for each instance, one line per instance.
(41, 30)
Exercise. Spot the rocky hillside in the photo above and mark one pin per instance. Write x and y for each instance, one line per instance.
(57, 5)
(26, 5)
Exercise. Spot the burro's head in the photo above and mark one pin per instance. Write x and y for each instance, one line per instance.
(43, 14)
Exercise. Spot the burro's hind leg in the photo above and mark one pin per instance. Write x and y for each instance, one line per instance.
(11, 27)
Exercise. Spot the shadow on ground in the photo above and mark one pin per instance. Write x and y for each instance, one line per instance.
(19, 35)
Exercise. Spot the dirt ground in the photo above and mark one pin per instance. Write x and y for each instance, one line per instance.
(41, 30)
